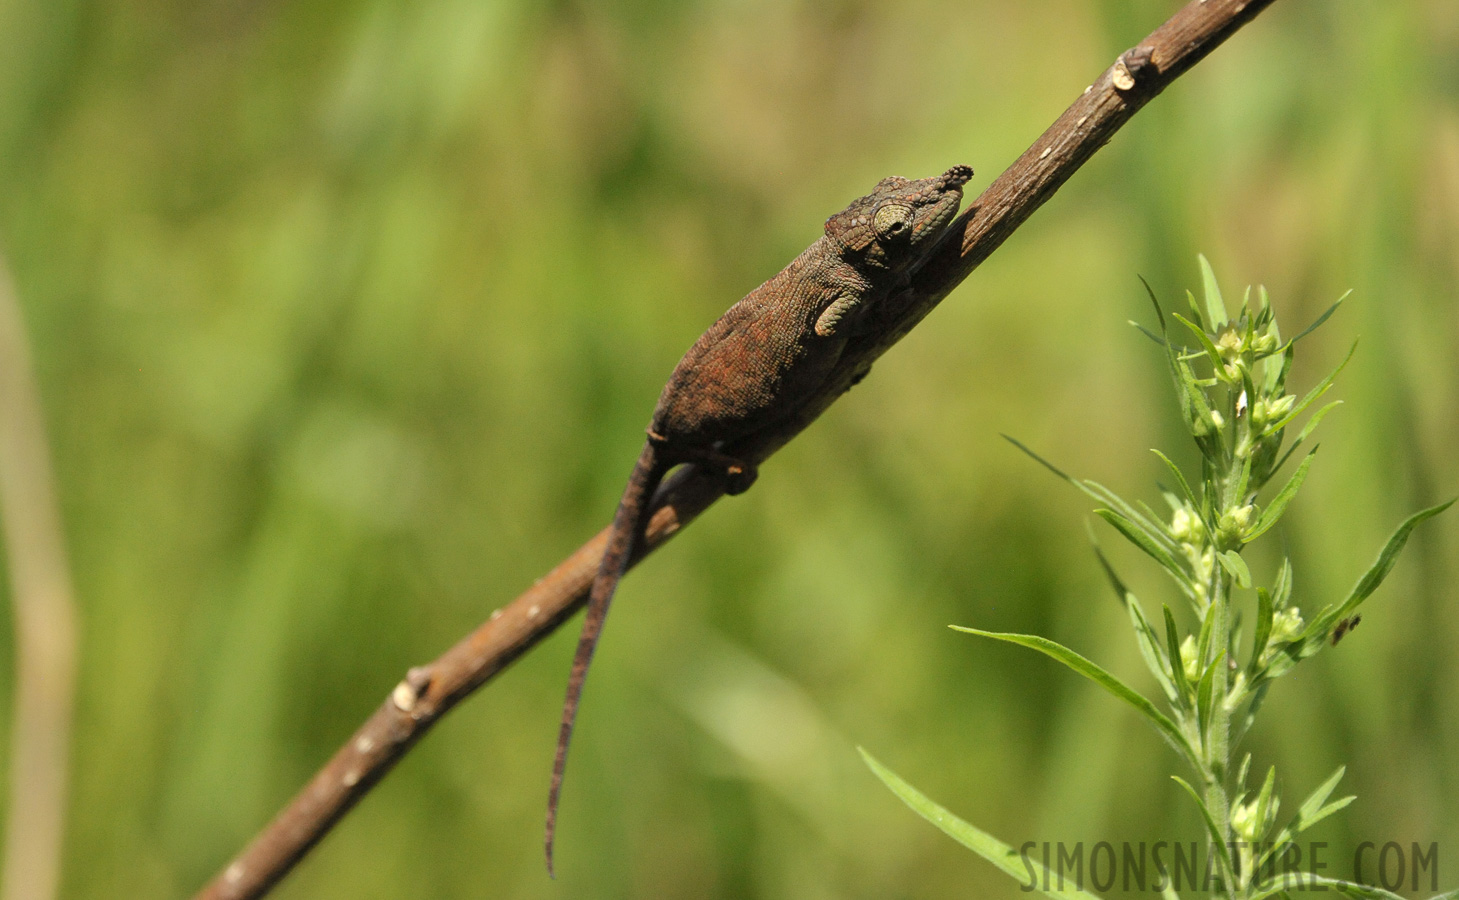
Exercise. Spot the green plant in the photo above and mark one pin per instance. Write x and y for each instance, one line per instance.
(1232, 391)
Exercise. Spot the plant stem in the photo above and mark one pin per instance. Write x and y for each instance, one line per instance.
(1218, 741)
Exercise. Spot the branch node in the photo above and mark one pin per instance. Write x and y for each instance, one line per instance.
(408, 692)
(1129, 66)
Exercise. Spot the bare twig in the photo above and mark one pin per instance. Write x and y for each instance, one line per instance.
(45, 623)
(428, 692)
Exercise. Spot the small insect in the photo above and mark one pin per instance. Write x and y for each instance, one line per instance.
(1343, 627)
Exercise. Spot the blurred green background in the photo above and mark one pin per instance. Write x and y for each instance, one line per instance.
(349, 315)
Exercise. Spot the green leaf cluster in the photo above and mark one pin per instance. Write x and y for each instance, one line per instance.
(1229, 373)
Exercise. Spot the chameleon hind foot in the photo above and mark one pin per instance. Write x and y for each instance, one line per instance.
(739, 474)
(738, 477)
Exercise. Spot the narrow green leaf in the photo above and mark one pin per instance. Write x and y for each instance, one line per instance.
(1387, 558)
(1155, 518)
(1264, 801)
(1149, 644)
(1150, 649)
(1278, 385)
(1305, 433)
(1375, 575)
(1232, 562)
(1215, 304)
(1304, 882)
(1143, 516)
(1210, 489)
(1312, 395)
(1205, 341)
(1238, 490)
(1307, 812)
(1172, 651)
(1206, 698)
(1287, 654)
(1218, 839)
(1329, 809)
(1273, 371)
(1159, 313)
(1148, 333)
(1194, 405)
(1282, 590)
(1180, 481)
(1004, 857)
(1322, 318)
(1264, 616)
(1274, 510)
(1040, 460)
(1142, 539)
(1184, 393)
(1203, 638)
(1115, 582)
(1248, 390)
(1273, 848)
(1099, 676)
(1098, 492)
(1312, 423)
(1190, 300)
(1257, 691)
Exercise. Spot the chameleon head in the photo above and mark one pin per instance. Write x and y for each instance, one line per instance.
(897, 224)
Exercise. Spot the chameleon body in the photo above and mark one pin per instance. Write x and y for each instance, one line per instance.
(754, 367)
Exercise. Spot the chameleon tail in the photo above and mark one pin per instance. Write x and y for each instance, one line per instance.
(628, 525)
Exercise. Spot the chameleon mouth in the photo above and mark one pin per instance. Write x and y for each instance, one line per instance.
(957, 176)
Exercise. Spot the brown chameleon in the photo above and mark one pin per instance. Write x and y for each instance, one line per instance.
(754, 367)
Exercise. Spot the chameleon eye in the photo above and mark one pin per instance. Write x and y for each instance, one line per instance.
(892, 221)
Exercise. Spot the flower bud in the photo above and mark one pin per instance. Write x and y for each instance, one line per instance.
(1266, 410)
(1244, 821)
(1244, 515)
(1237, 692)
(1286, 626)
(1188, 662)
(1231, 525)
(1186, 526)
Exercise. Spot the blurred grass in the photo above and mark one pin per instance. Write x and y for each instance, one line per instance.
(348, 316)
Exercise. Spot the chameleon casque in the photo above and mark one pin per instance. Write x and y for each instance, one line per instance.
(754, 367)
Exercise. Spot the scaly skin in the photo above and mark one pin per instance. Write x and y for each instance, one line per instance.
(756, 366)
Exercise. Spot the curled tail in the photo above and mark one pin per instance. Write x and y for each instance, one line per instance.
(628, 524)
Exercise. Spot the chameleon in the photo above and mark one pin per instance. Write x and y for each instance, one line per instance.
(755, 367)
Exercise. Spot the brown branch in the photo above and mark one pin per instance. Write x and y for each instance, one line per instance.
(45, 624)
(428, 692)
